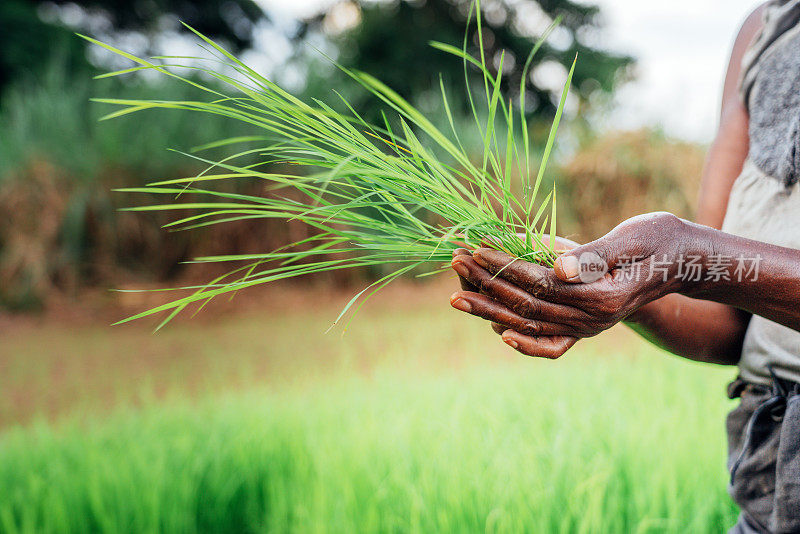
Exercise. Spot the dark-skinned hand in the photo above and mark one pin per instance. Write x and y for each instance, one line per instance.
(542, 311)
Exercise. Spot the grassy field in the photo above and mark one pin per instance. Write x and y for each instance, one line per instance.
(417, 420)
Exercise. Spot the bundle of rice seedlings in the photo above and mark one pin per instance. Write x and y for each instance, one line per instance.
(376, 195)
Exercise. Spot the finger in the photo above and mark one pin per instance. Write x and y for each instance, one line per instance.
(466, 286)
(538, 280)
(588, 263)
(583, 266)
(499, 328)
(551, 347)
(511, 296)
(463, 274)
(567, 268)
(489, 309)
(561, 244)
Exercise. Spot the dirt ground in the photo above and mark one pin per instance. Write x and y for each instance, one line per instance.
(70, 358)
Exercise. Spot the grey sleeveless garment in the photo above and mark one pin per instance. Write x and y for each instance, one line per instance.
(765, 201)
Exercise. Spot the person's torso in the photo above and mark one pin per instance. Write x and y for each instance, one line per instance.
(765, 200)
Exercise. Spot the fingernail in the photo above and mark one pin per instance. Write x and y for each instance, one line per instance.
(460, 304)
(460, 268)
(511, 343)
(569, 266)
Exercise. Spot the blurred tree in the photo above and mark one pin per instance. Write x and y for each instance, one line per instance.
(29, 41)
(390, 39)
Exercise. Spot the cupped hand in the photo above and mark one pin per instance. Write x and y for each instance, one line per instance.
(543, 311)
(560, 245)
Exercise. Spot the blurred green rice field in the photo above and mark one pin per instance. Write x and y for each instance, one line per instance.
(417, 420)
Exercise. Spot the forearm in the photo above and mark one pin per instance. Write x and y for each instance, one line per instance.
(731, 277)
(757, 277)
(694, 329)
(705, 312)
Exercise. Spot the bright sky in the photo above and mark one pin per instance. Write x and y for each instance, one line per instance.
(682, 47)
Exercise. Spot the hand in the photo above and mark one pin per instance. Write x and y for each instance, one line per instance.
(547, 346)
(560, 245)
(542, 311)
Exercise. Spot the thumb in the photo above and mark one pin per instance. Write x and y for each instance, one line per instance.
(586, 263)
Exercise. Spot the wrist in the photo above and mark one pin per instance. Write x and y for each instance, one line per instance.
(697, 264)
(679, 257)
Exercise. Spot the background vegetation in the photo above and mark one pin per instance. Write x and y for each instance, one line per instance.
(416, 420)
(60, 231)
(248, 417)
